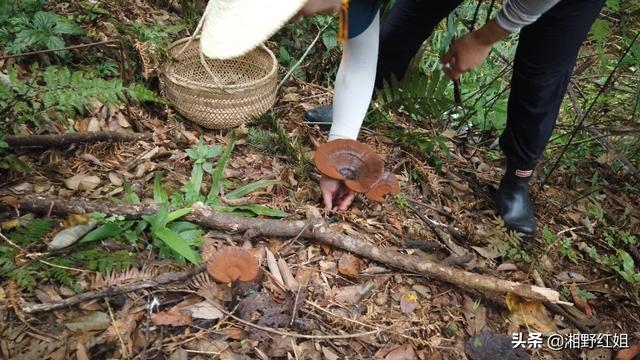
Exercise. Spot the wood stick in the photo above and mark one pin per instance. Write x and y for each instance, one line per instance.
(72, 138)
(317, 231)
(161, 279)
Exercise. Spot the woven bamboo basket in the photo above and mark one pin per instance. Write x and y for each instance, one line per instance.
(215, 93)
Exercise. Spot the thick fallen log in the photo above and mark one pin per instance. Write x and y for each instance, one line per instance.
(72, 138)
(313, 229)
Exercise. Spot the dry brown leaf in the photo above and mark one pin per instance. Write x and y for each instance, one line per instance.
(68, 237)
(290, 97)
(422, 290)
(94, 125)
(272, 264)
(81, 352)
(91, 159)
(172, 318)
(349, 265)
(408, 302)
(581, 302)
(476, 316)
(280, 346)
(82, 182)
(24, 187)
(568, 276)
(90, 322)
(507, 267)
(40, 188)
(115, 178)
(329, 354)
(234, 333)
(530, 313)
(486, 252)
(403, 352)
(204, 310)
(628, 354)
(353, 294)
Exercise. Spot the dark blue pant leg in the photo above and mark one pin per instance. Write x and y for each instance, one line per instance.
(544, 61)
(404, 28)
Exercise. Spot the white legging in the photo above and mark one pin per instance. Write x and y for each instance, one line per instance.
(354, 83)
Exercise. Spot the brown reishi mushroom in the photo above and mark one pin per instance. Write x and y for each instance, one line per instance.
(233, 263)
(387, 185)
(349, 160)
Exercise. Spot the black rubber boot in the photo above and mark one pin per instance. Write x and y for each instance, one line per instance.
(513, 201)
(322, 115)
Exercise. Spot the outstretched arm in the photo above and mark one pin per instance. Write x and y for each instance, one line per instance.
(472, 49)
(515, 14)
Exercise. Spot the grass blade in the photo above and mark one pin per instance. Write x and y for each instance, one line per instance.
(249, 188)
(173, 240)
(216, 183)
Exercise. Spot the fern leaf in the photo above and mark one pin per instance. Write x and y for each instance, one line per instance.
(418, 94)
(33, 231)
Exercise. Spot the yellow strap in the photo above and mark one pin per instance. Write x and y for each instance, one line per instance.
(343, 28)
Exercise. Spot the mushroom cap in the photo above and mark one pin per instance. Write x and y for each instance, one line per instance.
(233, 263)
(349, 160)
(387, 185)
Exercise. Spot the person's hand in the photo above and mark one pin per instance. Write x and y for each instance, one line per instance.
(471, 50)
(314, 7)
(464, 55)
(335, 194)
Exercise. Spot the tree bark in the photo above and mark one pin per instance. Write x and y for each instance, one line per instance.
(72, 138)
(314, 229)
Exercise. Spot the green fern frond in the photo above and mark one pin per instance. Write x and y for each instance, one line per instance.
(59, 274)
(25, 278)
(33, 231)
(99, 260)
(263, 140)
(423, 96)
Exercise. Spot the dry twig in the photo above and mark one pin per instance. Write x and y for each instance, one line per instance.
(72, 138)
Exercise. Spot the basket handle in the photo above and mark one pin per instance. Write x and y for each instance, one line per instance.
(203, 61)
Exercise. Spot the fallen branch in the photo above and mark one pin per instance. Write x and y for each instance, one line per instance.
(5, 57)
(313, 229)
(161, 279)
(72, 138)
(442, 235)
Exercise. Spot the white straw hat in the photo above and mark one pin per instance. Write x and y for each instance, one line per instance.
(234, 27)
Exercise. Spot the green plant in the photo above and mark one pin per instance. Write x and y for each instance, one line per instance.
(507, 243)
(401, 199)
(419, 94)
(218, 201)
(56, 94)
(200, 156)
(566, 244)
(27, 274)
(156, 36)
(277, 140)
(60, 94)
(23, 29)
(175, 239)
(321, 62)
